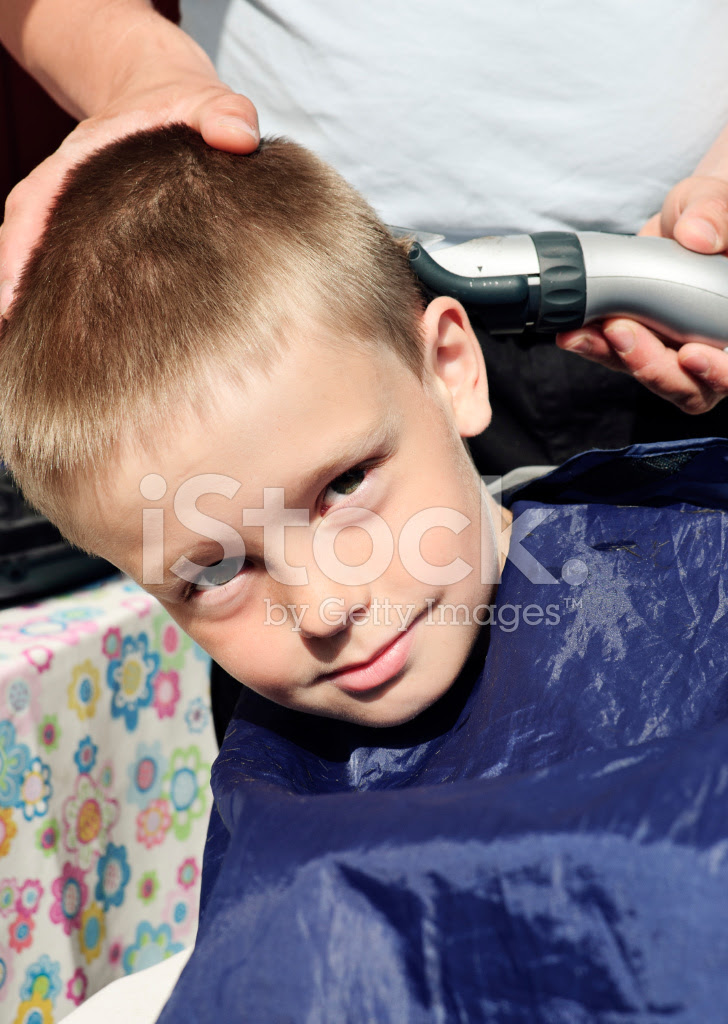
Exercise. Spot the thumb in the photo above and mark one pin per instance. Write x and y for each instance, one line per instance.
(228, 121)
(653, 226)
(696, 214)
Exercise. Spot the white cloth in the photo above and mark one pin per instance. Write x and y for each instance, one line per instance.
(473, 117)
(136, 999)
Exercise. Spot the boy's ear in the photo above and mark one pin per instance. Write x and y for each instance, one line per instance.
(455, 360)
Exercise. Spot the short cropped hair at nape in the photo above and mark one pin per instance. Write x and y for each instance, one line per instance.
(166, 262)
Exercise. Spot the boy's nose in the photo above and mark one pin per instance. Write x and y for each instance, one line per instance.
(329, 609)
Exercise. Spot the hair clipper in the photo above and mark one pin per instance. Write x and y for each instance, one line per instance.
(555, 281)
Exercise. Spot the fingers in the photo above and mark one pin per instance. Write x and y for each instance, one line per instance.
(28, 204)
(590, 343)
(228, 122)
(225, 120)
(695, 213)
(693, 377)
(653, 226)
(26, 210)
(708, 365)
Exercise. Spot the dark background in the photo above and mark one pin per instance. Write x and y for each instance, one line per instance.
(32, 126)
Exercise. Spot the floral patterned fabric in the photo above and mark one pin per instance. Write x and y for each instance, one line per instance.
(106, 741)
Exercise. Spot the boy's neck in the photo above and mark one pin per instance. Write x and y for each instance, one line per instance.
(334, 740)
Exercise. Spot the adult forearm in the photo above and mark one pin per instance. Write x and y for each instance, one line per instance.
(86, 53)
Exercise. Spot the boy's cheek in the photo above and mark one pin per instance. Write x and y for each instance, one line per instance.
(439, 546)
(257, 654)
(455, 545)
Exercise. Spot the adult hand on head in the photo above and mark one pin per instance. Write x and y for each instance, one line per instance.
(168, 79)
(694, 376)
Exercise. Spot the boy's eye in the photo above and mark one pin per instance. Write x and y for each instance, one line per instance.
(344, 484)
(219, 574)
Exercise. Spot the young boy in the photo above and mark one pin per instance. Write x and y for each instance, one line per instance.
(221, 375)
(254, 349)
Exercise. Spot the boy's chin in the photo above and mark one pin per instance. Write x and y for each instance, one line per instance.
(388, 708)
(381, 718)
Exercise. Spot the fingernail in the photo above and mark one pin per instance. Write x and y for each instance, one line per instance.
(582, 344)
(621, 337)
(703, 229)
(237, 124)
(696, 364)
(6, 296)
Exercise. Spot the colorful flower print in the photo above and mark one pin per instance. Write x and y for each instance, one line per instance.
(35, 790)
(70, 892)
(8, 895)
(148, 886)
(66, 626)
(87, 817)
(106, 775)
(113, 874)
(115, 952)
(166, 693)
(39, 657)
(47, 836)
(29, 896)
(6, 971)
(76, 614)
(201, 655)
(84, 690)
(153, 823)
(186, 785)
(111, 643)
(140, 603)
(21, 932)
(49, 732)
(146, 773)
(14, 762)
(85, 756)
(151, 946)
(131, 679)
(92, 932)
(77, 986)
(188, 873)
(8, 830)
(170, 641)
(35, 1011)
(43, 978)
(179, 912)
(19, 701)
(197, 715)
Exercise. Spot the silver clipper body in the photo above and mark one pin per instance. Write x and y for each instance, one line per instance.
(556, 281)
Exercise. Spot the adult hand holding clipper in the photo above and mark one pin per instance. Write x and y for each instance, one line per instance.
(693, 377)
(563, 281)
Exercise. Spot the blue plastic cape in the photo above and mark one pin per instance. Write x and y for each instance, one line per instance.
(549, 842)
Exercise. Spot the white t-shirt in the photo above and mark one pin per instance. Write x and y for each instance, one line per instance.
(474, 117)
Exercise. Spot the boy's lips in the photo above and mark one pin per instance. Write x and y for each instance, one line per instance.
(388, 661)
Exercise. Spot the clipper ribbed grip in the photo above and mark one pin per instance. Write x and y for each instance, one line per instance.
(562, 304)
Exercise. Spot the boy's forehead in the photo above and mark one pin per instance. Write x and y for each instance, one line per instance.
(316, 408)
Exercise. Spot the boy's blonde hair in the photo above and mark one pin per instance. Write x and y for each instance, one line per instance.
(165, 263)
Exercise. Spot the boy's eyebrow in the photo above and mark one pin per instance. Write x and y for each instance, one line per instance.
(349, 451)
(359, 447)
